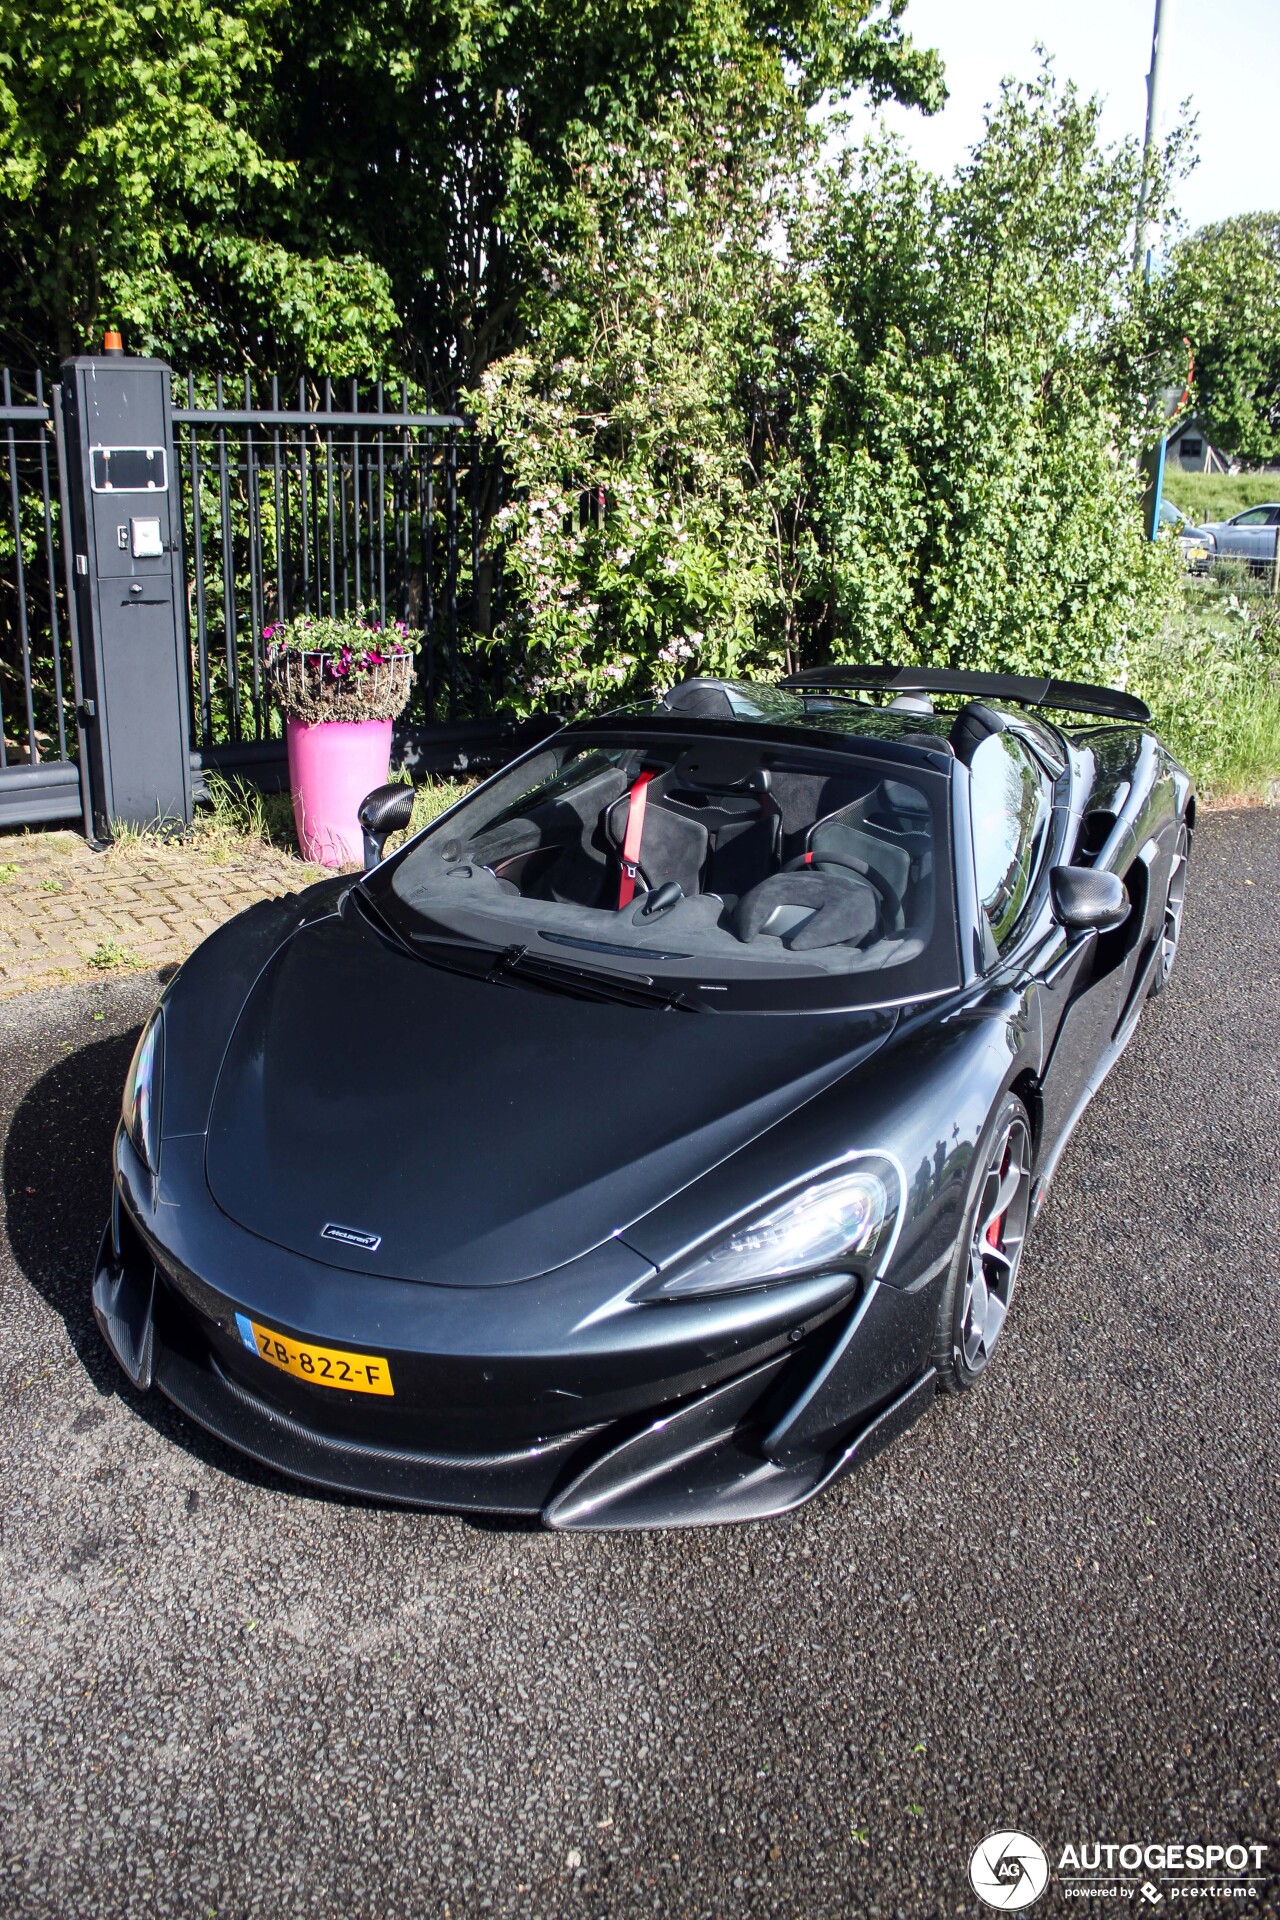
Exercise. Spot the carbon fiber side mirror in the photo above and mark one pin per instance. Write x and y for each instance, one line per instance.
(384, 811)
(1086, 901)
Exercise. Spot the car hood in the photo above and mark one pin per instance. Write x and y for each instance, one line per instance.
(483, 1132)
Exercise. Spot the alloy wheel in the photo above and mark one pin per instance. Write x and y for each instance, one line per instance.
(995, 1249)
(1174, 899)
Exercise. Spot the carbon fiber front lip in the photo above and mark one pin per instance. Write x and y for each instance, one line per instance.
(519, 1482)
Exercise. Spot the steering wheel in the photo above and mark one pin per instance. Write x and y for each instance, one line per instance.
(849, 863)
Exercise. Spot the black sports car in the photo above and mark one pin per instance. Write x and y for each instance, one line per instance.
(648, 1140)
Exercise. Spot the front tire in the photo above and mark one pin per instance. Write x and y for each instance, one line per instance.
(984, 1269)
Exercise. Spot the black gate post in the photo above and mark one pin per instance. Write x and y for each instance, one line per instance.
(126, 536)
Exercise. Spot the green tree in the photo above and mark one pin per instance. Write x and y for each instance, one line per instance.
(910, 432)
(447, 142)
(139, 183)
(635, 539)
(360, 187)
(983, 397)
(1223, 294)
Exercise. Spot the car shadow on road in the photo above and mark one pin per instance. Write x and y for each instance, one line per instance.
(57, 1183)
(57, 1186)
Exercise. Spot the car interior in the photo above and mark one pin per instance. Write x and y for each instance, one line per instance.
(681, 851)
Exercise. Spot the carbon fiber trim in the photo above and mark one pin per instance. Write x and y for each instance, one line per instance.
(516, 1483)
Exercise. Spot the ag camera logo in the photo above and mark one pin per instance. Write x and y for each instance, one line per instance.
(1008, 1870)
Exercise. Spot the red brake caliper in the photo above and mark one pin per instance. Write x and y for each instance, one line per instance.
(993, 1231)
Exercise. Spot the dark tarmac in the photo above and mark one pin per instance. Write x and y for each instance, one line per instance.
(1053, 1606)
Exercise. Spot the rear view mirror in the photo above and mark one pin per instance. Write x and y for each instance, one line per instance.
(386, 810)
(1086, 901)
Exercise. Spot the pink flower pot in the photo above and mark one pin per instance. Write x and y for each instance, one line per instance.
(332, 765)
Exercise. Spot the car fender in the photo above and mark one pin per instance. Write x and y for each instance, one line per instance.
(204, 999)
(925, 1099)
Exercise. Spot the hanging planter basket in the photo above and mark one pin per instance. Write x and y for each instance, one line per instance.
(306, 687)
(339, 684)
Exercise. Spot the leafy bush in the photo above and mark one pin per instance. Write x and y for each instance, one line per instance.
(632, 540)
(1212, 679)
(981, 402)
(765, 417)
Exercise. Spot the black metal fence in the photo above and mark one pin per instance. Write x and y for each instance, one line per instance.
(37, 661)
(324, 508)
(39, 777)
(317, 502)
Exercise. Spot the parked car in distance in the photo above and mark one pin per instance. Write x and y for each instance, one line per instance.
(1249, 537)
(1197, 552)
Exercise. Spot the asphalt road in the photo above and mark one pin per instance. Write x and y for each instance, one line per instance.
(1052, 1606)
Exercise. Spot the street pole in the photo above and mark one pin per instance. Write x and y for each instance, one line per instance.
(1161, 34)
(1153, 464)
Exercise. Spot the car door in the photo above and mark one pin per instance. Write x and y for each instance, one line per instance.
(1085, 982)
(1251, 536)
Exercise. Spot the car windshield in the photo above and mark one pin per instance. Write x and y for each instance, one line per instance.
(727, 874)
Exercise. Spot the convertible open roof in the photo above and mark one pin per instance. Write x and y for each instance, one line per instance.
(1072, 695)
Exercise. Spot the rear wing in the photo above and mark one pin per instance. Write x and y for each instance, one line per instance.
(1071, 695)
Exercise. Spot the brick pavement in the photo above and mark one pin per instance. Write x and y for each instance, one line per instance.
(67, 913)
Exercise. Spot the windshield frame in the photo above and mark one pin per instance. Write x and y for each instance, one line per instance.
(762, 986)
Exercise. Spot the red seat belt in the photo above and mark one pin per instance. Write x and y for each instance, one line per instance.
(631, 840)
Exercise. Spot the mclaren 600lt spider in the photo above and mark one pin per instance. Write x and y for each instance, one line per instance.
(648, 1140)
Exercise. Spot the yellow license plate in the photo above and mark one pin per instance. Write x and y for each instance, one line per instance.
(322, 1366)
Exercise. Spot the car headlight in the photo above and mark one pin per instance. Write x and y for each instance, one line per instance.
(140, 1109)
(847, 1213)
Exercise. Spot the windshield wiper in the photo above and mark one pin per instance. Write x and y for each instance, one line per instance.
(483, 962)
(589, 982)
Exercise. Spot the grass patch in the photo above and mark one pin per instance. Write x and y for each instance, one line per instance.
(234, 821)
(1219, 496)
(236, 813)
(233, 812)
(8, 871)
(1212, 680)
(109, 954)
(435, 798)
(128, 836)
